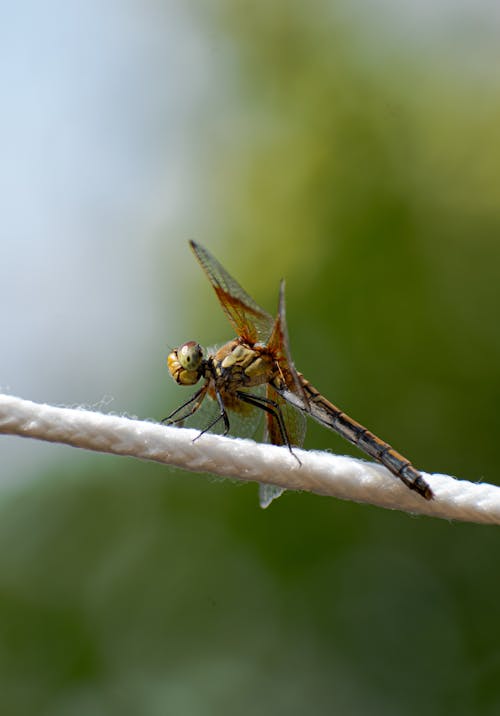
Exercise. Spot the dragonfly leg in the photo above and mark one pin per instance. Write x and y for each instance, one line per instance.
(271, 407)
(194, 401)
(221, 416)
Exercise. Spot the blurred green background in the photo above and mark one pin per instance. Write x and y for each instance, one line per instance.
(354, 150)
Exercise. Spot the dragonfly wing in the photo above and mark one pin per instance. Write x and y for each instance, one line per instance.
(249, 320)
(287, 382)
(280, 346)
(245, 421)
(268, 493)
(189, 408)
(294, 422)
(295, 426)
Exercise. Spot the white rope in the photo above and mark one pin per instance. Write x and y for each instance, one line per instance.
(323, 473)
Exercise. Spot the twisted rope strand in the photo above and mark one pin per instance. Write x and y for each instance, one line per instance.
(319, 472)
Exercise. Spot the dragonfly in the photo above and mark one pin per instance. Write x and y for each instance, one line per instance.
(255, 370)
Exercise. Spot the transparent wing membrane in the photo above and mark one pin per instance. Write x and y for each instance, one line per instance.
(250, 381)
(249, 320)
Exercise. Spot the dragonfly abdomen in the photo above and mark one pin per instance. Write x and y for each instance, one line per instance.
(332, 417)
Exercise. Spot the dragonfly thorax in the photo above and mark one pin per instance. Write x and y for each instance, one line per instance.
(238, 365)
(186, 363)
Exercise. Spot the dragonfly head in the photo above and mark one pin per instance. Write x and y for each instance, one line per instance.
(185, 363)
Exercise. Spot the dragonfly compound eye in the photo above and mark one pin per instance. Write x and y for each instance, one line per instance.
(185, 363)
(190, 355)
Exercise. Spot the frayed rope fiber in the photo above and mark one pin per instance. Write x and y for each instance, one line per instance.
(319, 472)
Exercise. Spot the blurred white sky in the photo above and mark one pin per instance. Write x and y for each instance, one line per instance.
(93, 177)
(98, 171)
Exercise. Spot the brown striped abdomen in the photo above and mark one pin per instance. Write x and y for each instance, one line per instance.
(332, 417)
